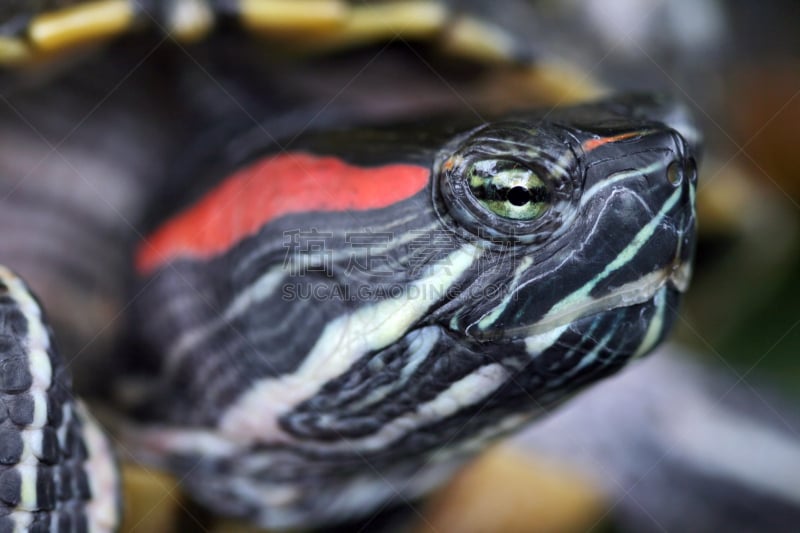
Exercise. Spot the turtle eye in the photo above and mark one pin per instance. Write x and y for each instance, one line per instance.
(509, 189)
(507, 182)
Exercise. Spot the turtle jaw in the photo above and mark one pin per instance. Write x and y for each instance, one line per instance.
(673, 276)
(641, 292)
(568, 357)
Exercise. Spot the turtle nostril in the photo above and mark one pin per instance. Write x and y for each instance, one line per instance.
(674, 173)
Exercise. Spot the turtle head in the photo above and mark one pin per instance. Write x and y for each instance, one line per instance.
(588, 224)
(406, 313)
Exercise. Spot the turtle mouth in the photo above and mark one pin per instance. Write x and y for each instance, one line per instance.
(680, 274)
(675, 275)
(672, 276)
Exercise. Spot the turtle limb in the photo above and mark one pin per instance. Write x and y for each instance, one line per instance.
(58, 470)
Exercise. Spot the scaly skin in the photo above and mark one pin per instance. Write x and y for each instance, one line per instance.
(58, 471)
(343, 325)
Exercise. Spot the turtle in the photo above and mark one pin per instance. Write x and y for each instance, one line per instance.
(322, 320)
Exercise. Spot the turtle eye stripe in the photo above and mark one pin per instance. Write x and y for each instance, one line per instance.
(591, 144)
(270, 188)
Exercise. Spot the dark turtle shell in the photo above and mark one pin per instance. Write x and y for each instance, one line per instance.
(31, 28)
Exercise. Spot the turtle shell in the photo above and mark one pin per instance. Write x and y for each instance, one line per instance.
(34, 28)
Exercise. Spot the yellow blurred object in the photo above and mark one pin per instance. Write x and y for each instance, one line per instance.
(190, 20)
(473, 39)
(724, 196)
(80, 24)
(509, 87)
(13, 51)
(152, 501)
(293, 15)
(374, 23)
(362, 25)
(506, 491)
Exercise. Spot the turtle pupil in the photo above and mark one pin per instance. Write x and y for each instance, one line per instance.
(519, 196)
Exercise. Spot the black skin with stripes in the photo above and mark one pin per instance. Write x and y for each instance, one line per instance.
(62, 488)
(564, 250)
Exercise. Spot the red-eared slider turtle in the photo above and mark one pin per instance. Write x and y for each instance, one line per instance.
(319, 320)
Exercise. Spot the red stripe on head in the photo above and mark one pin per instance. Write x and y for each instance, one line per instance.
(270, 188)
(591, 144)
